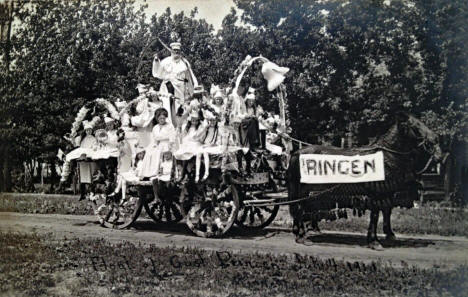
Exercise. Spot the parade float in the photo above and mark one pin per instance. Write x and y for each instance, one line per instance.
(113, 139)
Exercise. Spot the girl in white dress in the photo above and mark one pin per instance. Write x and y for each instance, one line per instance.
(211, 144)
(163, 137)
(218, 103)
(131, 175)
(190, 144)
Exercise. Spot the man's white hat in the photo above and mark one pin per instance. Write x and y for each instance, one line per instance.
(175, 45)
(214, 89)
(108, 120)
(274, 74)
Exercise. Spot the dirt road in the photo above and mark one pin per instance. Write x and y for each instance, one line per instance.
(421, 251)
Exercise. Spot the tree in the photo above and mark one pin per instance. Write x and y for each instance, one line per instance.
(67, 53)
(351, 70)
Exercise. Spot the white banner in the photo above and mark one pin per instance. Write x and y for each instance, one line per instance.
(330, 169)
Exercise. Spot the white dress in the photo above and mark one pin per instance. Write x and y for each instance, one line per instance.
(165, 170)
(190, 144)
(213, 144)
(178, 72)
(85, 150)
(143, 121)
(162, 139)
(132, 174)
(109, 148)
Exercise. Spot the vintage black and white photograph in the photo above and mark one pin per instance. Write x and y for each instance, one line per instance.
(233, 148)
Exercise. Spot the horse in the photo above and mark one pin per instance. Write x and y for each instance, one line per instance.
(404, 142)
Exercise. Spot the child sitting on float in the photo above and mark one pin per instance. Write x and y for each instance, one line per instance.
(218, 104)
(190, 144)
(131, 175)
(211, 144)
(219, 139)
(112, 137)
(163, 137)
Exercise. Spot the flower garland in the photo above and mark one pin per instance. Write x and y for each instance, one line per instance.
(84, 111)
(127, 107)
(77, 122)
(110, 107)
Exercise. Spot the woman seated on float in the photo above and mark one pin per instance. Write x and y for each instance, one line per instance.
(163, 137)
(190, 144)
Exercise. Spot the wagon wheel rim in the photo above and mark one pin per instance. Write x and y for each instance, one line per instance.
(118, 213)
(215, 214)
(167, 210)
(257, 217)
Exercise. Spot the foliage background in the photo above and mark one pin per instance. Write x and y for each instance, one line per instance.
(352, 64)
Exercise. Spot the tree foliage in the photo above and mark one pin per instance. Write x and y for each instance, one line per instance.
(352, 63)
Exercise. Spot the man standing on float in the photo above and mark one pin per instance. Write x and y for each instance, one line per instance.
(175, 73)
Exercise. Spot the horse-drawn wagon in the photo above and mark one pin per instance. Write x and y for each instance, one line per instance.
(210, 207)
(225, 196)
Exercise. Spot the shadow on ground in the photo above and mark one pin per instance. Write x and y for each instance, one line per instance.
(361, 240)
(238, 233)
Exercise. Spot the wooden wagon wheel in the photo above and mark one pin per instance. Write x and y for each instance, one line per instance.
(213, 210)
(256, 217)
(167, 209)
(115, 212)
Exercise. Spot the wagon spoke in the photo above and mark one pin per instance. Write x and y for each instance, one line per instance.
(217, 212)
(176, 212)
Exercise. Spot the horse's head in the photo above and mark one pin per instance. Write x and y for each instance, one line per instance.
(420, 134)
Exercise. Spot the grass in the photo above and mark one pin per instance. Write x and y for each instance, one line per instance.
(423, 220)
(38, 266)
(415, 221)
(44, 204)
